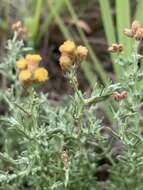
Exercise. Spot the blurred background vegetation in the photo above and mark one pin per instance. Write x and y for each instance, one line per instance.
(95, 23)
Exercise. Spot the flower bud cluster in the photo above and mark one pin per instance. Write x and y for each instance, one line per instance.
(19, 28)
(71, 54)
(30, 70)
(115, 48)
(136, 31)
(118, 96)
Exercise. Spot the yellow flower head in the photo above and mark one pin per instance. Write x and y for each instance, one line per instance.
(21, 64)
(25, 76)
(41, 74)
(65, 62)
(33, 58)
(81, 51)
(67, 47)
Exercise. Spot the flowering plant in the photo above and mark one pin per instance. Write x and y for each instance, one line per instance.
(67, 145)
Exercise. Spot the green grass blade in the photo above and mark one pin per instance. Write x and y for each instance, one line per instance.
(37, 17)
(106, 14)
(57, 7)
(123, 21)
(66, 33)
(33, 23)
(139, 11)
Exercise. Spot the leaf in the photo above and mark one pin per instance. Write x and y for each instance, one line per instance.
(57, 143)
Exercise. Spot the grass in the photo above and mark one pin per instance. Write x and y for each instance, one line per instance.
(57, 8)
(106, 13)
(139, 13)
(123, 20)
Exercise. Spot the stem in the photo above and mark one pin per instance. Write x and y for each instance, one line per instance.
(73, 80)
(23, 109)
(96, 99)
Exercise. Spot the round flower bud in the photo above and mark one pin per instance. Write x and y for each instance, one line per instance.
(135, 26)
(111, 50)
(33, 58)
(120, 47)
(124, 94)
(65, 62)
(115, 47)
(21, 64)
(67, 47)
(139, 34)
(81, 51)
(25, 76)
(41, 74)
(128, 32)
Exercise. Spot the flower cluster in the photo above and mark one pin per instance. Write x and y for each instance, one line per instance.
(71, 54)
(135, 31)
(115, 48)
(118, 96)
(19, 28)
(30, 70)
